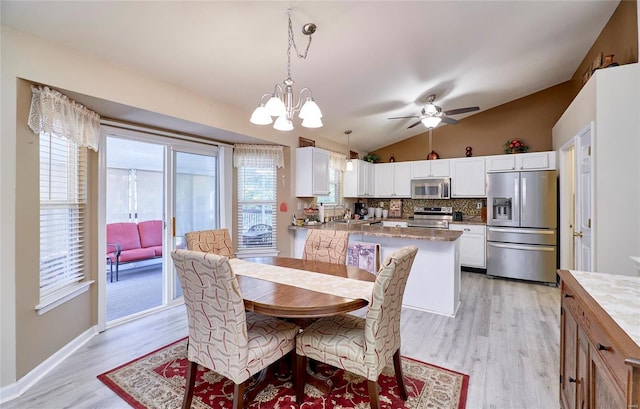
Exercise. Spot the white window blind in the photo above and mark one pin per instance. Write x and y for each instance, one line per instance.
(63, 170)
(257, 184)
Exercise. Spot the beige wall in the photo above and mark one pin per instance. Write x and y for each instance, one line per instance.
(530, 118)
(32, 329)
(27, 339)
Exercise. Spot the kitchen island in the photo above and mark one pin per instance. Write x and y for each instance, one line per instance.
(434, 281)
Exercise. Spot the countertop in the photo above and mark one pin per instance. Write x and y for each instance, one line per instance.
(363, 227)
(618, 295)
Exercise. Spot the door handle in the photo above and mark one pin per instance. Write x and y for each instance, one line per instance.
(577, 234)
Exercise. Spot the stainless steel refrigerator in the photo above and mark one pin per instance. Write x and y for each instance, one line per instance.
(522, 225)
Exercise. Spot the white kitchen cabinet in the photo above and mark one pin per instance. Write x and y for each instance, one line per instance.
(359, 182)
(393, 179)
(312, 172)
(421, 169)
(521, 162)
(468, 177)
(473, 244)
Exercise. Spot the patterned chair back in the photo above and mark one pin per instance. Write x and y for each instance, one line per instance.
(382, 322)
(216, 241)
(329, 246)
(215, 312)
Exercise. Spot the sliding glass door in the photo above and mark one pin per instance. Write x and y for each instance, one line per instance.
(195, 197)
(156, 190)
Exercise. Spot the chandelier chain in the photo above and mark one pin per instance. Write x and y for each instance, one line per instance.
(292, 40)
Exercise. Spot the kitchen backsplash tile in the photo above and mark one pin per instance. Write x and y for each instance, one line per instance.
(468, 207)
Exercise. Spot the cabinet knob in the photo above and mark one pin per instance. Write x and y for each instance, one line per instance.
(602, 347)
(572, 379)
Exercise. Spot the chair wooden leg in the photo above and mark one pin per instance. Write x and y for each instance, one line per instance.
(192, 370)
(397, 364)
(300, 377)
(238, 395)
(373, 394)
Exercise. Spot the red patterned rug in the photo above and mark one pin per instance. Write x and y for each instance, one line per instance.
(156, 381)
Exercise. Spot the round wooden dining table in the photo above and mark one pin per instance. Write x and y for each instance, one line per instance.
(286, 301)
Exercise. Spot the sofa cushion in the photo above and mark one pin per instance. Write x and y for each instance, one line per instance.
(124, 234)
(157, 250)
(150, 233)
(136, 254)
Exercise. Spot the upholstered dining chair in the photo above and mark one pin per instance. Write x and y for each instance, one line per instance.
(223, 337)
(363, 346)
(329, 246)
(217, 241)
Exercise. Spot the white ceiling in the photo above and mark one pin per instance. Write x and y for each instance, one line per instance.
(369, 60)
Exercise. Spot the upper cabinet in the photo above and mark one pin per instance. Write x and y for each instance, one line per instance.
(393, 179)
(521, 162)
(430, 169)
(312, 172)
(359, 182)
(468, 177)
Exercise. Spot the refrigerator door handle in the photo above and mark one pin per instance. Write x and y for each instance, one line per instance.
(524, 200)
(521, 247)
(515, 209)
(519, 230)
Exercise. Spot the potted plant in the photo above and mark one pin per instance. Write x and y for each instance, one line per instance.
(372, 157)
(515, 146)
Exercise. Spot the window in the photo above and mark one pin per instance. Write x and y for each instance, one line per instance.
(62, 212)
(257, 170)
(337, 165)
(65, 130)
(335, 188)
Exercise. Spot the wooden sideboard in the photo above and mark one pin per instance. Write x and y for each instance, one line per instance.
(599, 361)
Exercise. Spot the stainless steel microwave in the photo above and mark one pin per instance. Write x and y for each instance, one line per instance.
(433, 188)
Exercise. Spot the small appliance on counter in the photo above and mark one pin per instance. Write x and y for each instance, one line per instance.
(360, 209)
(457, 216)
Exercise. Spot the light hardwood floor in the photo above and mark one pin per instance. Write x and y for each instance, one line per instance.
(506, 338)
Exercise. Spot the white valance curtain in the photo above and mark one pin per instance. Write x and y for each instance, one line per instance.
(257, 155)
(52, 112)
(337, 161)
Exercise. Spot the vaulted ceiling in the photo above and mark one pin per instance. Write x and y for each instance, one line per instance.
(368, 60)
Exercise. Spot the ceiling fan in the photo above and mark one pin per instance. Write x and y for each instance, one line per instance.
(431, 115)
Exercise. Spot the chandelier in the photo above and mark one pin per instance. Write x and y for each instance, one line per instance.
(281, 104)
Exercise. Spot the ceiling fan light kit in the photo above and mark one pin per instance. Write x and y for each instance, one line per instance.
(281, 103)
(431, 115)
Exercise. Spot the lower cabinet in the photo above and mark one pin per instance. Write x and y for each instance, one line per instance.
(593, 350)
(473, 244)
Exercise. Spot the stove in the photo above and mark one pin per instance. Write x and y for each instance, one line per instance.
(431, 217)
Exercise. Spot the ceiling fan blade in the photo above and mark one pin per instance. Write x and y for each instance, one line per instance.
(448, 120)
(461, 110)
(414, 124)
(404, 117)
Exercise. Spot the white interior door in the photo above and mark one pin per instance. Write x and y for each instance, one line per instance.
(583, 231)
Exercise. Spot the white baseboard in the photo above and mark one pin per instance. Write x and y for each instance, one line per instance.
(16, 389)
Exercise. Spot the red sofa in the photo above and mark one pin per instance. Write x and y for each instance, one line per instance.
(128, 242)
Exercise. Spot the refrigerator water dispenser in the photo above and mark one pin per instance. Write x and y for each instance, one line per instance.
(502, 208)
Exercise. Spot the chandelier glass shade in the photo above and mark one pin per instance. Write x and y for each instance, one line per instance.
(281, 105)
(349, 161)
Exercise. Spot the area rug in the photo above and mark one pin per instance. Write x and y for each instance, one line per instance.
(156, 381)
